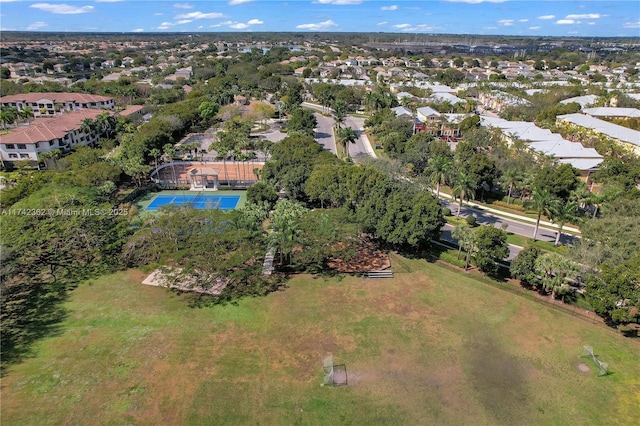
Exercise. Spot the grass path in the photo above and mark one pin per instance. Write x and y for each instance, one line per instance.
(429, 346)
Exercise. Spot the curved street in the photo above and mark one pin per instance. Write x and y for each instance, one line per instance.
(362, 147)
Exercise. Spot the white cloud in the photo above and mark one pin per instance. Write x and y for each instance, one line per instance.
(424, 27)
(547, 17)
(585, 16)
(635, 24)
(523, 20)
(489, 28)
(506, 22)
(138, 30)
(535, 28)
(392, 7)
(183, 6)
(165, 25)
(566, 22)
(37, 26)
(408, 28)
(237, 2)
(340, 2)
(157, 14)
(241, 25)
(62, 9)
(184, 21)
(382, 23)
(591, 23)
(200, 15)
(318, 26)
(108, 1)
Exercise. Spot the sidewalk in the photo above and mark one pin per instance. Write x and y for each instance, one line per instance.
(511, 215)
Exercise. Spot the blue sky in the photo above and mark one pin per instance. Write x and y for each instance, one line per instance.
(509, 17)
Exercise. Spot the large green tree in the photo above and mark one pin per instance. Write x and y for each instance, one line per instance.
(523, 267)
(67, 236)
(285, 228)
(410, 219)
(301, 121)
(292, 161)
(490, 248)
(614, 293)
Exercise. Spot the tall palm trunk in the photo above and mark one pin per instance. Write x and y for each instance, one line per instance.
(535, 231)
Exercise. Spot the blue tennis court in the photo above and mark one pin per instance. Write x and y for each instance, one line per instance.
(198, 201)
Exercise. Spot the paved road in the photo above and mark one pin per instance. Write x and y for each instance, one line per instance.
(514, 226)
(324, 133)
(362, 147)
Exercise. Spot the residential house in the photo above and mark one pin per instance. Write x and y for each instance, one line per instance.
(133, 111)
(583, 101)
(61, 132)
(498, 100)
(240, 100)
(47, 104)
(626, 137)
(428, 120)
(403, 112)
(545, 142)
(442, 97)
(611, 112)
(450, 127)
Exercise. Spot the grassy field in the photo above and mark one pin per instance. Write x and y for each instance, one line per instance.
(430, 346)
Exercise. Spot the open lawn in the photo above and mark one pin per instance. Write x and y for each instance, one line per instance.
(431, 346)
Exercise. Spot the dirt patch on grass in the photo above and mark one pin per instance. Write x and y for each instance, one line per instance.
(367, 258)
(583, 367)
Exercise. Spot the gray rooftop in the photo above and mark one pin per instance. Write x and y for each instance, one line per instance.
(612, 112)
(613, 130)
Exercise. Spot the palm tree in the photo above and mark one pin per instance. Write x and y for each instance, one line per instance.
(554, 269)
(541, 204)
(463, 186)
(347, 136)
(155, 153)
(339, 113)
(223, 146)
(511, 178)
(438, 168)
(169, 152)
(8, 116)
(280, 107)
(465, 236)
(54, 154)
(563, 212)
(27, 114)
(88, 126)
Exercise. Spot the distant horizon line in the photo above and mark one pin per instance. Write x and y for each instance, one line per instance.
(318, 32)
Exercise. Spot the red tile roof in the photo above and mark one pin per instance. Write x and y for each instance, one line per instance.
(46, 129)
(55, 97)
(131, 110)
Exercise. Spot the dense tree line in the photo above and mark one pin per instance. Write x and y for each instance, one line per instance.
(395, 212)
